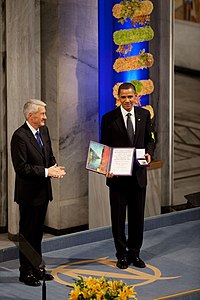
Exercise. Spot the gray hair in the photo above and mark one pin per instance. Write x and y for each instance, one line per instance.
(32, 106)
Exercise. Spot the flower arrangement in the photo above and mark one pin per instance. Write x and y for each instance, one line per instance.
(150, 109)
(141, 61)
(124, 49)
(142, 87)
(146, 88)
(137, 11)
(133, 35)
(101, 289)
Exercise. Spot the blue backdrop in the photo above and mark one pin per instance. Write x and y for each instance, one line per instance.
(107, 54)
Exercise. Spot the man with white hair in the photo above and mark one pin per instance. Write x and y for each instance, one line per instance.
(34, 165)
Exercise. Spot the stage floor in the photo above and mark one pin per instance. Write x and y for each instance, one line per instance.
(172, 255)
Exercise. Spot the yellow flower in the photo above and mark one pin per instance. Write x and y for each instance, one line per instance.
(74, 293)
(122, 295)
(101, 289)
(86, 294)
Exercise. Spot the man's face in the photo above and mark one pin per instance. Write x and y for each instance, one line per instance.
(38, 119)
(127, 98)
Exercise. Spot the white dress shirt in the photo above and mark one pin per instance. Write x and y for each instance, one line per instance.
(124, 114)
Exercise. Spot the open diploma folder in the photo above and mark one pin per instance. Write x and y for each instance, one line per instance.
(102, 159)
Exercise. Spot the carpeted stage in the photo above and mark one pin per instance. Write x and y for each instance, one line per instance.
(171, 250)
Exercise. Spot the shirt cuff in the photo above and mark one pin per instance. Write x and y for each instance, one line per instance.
(46, 172)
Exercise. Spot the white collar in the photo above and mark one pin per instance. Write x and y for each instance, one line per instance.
(32, 128)
(125, 112)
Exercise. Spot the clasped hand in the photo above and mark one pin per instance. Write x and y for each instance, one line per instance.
(56, 171)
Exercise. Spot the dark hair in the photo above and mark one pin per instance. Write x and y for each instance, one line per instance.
(126, 86)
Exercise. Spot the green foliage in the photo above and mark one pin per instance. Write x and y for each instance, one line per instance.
(135, 35)
(138, 85)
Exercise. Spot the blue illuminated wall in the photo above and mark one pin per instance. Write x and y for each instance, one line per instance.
(108, 77)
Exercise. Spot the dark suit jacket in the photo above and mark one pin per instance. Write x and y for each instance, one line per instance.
(114, 134)
(29, 161)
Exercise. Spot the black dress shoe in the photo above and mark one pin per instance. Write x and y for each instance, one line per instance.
(30, 280)
(39, 275)
(136, 261)
(122, 263)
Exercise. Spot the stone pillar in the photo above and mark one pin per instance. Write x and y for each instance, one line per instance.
(23, 76)
(3, 144)
(69, 87)
(162, 100)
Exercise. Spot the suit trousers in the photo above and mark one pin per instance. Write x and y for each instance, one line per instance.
(133, 199)
(31, 227)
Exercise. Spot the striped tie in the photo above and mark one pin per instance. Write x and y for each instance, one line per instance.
(38, 139)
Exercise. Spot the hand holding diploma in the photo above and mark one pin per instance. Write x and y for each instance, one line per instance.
(109, 175)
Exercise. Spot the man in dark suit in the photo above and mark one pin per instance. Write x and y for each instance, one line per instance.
(128, 191)
(34, 164)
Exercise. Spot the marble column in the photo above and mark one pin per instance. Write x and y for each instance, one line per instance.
(162, 100)
(69, 43)
(23, 76)
(3, 166)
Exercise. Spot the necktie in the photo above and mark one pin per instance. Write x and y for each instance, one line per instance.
(38, 139)
(130, 128)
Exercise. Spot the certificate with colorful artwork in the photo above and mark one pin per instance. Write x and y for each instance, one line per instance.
(103, 159)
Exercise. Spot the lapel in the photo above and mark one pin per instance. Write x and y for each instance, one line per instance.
(32, 139)
(43, 137)
(119, 120)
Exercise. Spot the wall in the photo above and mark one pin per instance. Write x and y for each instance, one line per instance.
(187, 46)
(3, 119)
(69, 86)
(22, 76)
(162, 99)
